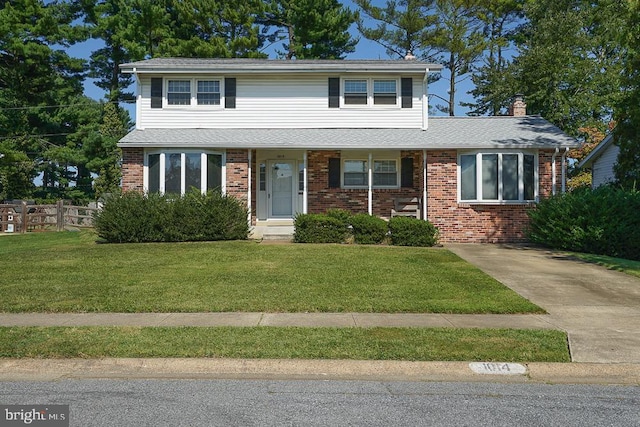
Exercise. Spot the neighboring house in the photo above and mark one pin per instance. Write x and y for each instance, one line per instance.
(304, 136)
(601, 162)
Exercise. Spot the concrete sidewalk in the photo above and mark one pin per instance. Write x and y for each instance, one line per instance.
(362, 320)
(599, 308)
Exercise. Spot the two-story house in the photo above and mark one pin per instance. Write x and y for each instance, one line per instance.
(304, 136)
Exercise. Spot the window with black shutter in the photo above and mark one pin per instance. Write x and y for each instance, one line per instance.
(230, 92)
(334, 172)
(406, 91)
(334, 92)
(156, 92)
(406, 172)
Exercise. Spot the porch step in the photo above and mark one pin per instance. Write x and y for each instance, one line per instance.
(282, 233)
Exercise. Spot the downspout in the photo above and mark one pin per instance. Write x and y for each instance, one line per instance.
(249, 189)
(305, 191)
(370, 207)
(424, 185)
(564, 169)
(553, 172)
(425, 101)
(138, 97)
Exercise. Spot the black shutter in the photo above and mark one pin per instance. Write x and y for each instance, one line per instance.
(334, 92)
(407, 92)
(230, 92)
(334, 172)
(156, 92)
(406, 172)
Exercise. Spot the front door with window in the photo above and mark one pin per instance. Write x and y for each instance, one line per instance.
(282, 188)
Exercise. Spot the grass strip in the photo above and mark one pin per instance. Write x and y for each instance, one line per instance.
(69, 272)
(424, 344)
(619, 264)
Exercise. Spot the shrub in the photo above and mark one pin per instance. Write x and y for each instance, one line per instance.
(134, 217)
(319, 228)
(341, 215)
(604, 221)
(406, 231)
(368, 229)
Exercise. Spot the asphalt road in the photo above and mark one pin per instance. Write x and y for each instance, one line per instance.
(329, 403)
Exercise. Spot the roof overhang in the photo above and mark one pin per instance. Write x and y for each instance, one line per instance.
(596, 152)
(441, 135)
(271, 66)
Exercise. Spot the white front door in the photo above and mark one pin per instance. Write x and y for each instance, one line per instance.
(281, 188)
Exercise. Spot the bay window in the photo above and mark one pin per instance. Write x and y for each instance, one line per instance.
(495, 177)
(179, 172)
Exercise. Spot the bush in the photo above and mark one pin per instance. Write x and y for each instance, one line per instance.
(319, 228)
(368, 229)
(341, 215)
(603, 221)
(406, 231)
(134, 217)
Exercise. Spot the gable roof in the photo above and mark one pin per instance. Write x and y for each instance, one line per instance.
(597, 152)
(248, 65)
(443, 133)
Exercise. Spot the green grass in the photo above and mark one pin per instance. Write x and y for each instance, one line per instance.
(624, 265)
(441, 344)
(69, 272)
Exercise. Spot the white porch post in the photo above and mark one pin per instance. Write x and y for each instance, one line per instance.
(424, 185)
(304, 183)
(370, 207)
(425, 100)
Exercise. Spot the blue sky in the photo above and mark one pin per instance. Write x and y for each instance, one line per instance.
(366, 49)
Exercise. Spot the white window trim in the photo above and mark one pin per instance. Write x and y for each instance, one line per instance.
(194, 92)
(500, 201)
(370, 172)
(203, 169)
(370, 103)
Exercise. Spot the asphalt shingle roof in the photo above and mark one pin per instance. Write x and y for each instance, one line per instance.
(248, 65)
(443, 133)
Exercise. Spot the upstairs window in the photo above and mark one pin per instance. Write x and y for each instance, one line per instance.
(370, 92)
(385, 92)
(179, 92)
(355, 92)
(208, 92)
(497, 177)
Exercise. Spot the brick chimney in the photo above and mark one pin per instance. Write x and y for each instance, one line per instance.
(518, 108)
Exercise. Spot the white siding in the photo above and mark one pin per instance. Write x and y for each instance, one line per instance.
(285, 102)
(602, 171)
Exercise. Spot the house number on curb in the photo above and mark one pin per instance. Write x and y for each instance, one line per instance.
(494, 368)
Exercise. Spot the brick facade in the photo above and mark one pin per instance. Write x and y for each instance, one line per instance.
(132, 169)
(457, 222)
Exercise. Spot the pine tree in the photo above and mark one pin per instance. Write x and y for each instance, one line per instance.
(313, 29)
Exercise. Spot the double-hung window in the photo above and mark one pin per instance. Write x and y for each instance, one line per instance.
(385, 173)
(356, 173)
(497, 177)
(208, 92)
(179, 172)
(355, 92)
(179, 92)
(370, 92)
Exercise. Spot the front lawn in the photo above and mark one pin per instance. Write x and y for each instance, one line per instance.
(69, 272)
(442, 344)
(625, 265)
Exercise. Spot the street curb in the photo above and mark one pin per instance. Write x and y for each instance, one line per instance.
(280, 369)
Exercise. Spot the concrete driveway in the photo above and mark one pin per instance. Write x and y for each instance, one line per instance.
(599, 308)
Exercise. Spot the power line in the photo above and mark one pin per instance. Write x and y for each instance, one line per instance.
(99, 104)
